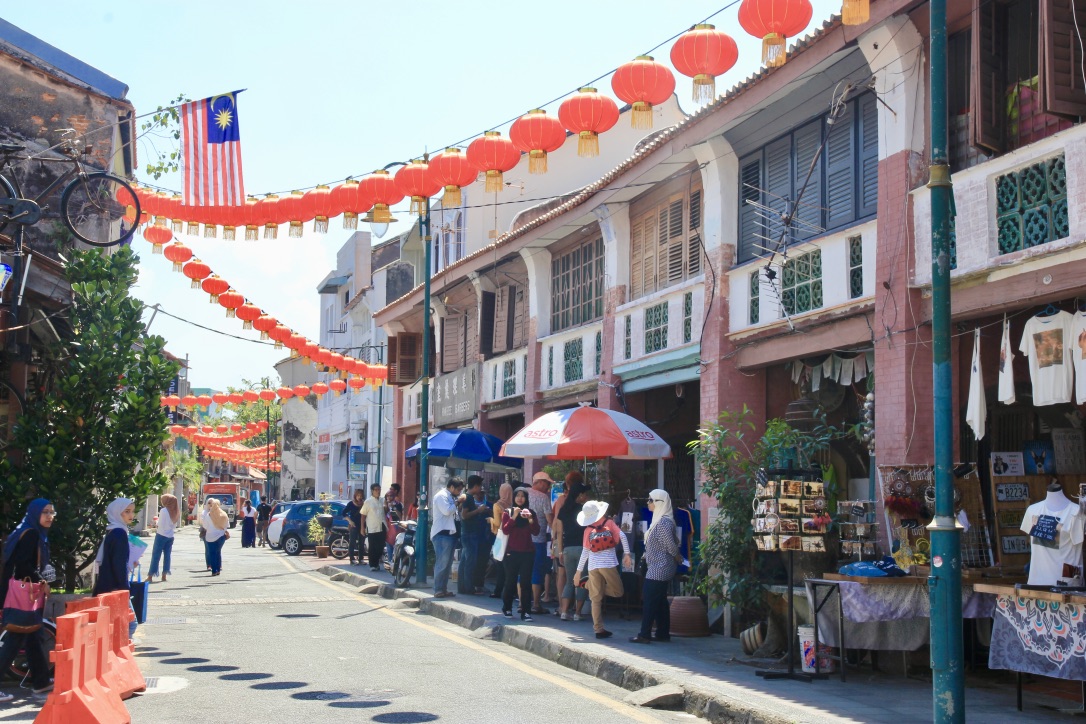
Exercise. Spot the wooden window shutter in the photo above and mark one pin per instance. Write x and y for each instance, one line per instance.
(750, 184)
(841, 170)
(868, 111)
(393, 362)
(636, 261)
(406, 350)
(693, 233)
(471, 336)
(986, 128)
(1061, 56)
(501, 320)
(452, 343)
(520, 316)
(486, 324)
(808, 140)
(672, 240)
(778, 185)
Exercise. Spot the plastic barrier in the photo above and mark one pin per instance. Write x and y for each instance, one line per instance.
(124, 667)
(77, 695)
(104, 668)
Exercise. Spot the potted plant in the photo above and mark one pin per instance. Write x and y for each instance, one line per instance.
(318, 528)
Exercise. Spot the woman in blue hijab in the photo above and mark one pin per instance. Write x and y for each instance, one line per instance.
(26, 556)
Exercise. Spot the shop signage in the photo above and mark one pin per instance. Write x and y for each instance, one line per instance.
(1070, 451)
(1014, 544)
(1008, 464)
(455, 398)
(1012, 492)
(357, 462)
(324, 445)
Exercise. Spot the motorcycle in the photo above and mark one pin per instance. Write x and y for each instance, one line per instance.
(403, 553)
(336, 538)
(19, 667)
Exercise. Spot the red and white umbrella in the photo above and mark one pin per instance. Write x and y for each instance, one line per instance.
(586, 432)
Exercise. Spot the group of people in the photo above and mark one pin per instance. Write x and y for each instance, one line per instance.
(573, 540)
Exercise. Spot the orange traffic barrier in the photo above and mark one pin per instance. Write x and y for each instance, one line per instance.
(123, 667)
(77, 695)
(81, 604)
(102, 661)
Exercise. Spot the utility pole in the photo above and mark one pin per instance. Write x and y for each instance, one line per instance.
(945, 581)
(422, 529)
(380, 411)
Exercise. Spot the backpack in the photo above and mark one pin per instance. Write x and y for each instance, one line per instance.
(601, 538)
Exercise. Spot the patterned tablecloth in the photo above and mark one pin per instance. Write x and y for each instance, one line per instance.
(1039, 637)
(888, 617)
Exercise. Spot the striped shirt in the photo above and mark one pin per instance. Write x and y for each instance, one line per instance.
(660, 550)
(602, 559)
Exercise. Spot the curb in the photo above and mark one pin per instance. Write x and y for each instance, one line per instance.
(705, 704)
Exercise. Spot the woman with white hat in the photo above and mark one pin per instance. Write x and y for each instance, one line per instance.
(663, 556)
(601, 537)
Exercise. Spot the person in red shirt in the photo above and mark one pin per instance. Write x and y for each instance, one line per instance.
(520, 524)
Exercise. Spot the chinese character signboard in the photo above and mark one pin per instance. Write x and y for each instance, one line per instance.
(455, 397)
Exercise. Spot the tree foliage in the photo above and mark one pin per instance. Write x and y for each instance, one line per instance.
(184, 464)
(165, 124)
(97, 433)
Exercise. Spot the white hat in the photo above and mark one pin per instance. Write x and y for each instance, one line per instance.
(592, 512)
(541, 475)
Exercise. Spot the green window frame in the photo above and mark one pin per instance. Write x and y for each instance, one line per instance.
(573, 360)
(801, 283)
(628, 346)
(754, 313)
(509, 378)
(656, 327)
(855, 267)
(688, 317)
(1031, 205)
(577, 286)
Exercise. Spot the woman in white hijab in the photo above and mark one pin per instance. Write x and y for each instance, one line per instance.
(216, 522)
(113, 556)
(662, 556)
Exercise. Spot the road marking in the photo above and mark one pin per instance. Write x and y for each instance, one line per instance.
(625, 709)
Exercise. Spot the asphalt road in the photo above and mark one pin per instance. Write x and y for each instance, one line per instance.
(268, 638)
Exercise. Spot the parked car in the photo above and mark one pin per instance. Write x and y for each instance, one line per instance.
(275, 523)
(294, 537)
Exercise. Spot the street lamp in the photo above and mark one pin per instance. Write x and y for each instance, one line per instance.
(265, 385)
(422, 528)
(380, 394)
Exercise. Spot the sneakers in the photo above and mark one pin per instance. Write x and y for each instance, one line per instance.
(603, 634)
(639, 639)
(5, 698)
(577, 617)
(540, 610)
(525, 616)
(45, 689)
(507, 614)
(566, 617)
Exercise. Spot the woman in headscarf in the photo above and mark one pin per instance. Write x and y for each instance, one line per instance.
(662, 556)
(248, 525)
(168, 518)
(113, 554)
(504, 503)
(26, 556)
(216, 522)
(520, 524)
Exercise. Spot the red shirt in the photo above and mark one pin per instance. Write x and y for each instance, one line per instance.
(520, 536)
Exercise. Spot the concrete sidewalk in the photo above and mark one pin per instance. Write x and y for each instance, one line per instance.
(718, 679)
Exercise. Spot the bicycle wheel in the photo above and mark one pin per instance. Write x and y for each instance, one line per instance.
(95, 207)
(7, 191)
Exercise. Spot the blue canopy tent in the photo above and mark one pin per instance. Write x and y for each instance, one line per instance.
(465, 449)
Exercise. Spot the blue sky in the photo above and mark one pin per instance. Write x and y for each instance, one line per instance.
(337, 89)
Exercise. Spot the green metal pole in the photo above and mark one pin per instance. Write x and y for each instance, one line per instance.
(380, 411)
(422, 531)
(945, 582)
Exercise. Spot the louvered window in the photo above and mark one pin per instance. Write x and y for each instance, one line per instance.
(502, 306)
(665, 248)
(452, 343)
(840, 186)
(577, 286)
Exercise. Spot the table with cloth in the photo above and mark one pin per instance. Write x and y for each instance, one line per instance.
(883, 614)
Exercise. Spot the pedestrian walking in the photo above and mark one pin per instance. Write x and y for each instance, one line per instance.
(520, 524)
(443, 535)
(216, 523)
(26, 558)
(504, 503)
(474, 538)
(601, 538)
(168, 518)
(353, 513)
(203, 532)
(568, 544)
(393, 513)
(248, 525)
(373, 518)
(263, 516)
(114, 560)
(539, 496)
(663, 556)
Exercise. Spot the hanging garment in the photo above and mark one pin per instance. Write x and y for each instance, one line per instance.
(1078, 354)
(976, 411)
(1047, 343)
(1006, 365)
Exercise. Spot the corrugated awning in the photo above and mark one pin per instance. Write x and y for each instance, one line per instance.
(331, 285)
(257, 475)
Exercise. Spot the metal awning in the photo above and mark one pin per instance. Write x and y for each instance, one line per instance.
(332, 284)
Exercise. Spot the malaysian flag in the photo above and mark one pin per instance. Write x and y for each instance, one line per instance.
(212, 152)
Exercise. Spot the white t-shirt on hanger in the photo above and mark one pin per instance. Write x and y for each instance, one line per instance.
(1046, 563)
(1047, 343)
(1078, 354)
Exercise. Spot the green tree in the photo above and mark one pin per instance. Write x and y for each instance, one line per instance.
(97, 432)
(184, 464)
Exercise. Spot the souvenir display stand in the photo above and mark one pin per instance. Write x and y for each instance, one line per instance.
(782, 500)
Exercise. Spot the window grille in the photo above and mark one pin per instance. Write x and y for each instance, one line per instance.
(801, 283)
(1031, 205)
(755, 296)
(688, 317)
(656, 328)
(577, 286)
(855, 267)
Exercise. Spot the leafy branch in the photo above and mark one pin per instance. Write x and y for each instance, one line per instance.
(166, 120)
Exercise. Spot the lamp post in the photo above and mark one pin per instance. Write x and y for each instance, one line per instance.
(380, 400)
(265, 384)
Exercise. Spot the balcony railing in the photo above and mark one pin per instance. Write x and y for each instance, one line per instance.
(572, 356)
(503, 377)
(664, 321)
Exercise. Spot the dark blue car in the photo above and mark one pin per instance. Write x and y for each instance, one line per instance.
(295, 537)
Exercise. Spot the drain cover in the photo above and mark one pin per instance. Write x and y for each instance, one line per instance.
(165, 684)
(166, 621)
(320, 695)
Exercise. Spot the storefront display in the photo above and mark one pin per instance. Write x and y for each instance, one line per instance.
(1055, 527)
(1047, 342)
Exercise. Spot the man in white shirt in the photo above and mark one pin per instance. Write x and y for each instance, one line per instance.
(443, 535)
(373, 522)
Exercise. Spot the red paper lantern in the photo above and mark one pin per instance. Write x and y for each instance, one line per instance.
(295, 342)
(309, 350)
(215, 285)
(320, 389)
(231, 300)
(493, 155)
(197, 271)
(235, 398)
(269, 211)
(703, 53)
(318, 204)
(416, 181)
(643, 83)
(775, 21)
(250, 396)
(176, 430)
(220, 398)
(221, 428)
(301, 391)
(337, 386)
(231, 218)
(292, 206)
(170, 401)
(252, 217)
(285, 393)
(247, 313)
(204, 401)
(588, 114)
(158, 237)
(265, 324)
(335, 361)
(267, 396)
(381, 189)
(178, 253)
(451, 169)
(189, 401)
(280, 333)
(356, 383)
(347, 198)
(537, 134)
(321, 356)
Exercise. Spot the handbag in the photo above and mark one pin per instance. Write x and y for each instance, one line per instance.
(138, 590)
(497, 548)
(24, 604)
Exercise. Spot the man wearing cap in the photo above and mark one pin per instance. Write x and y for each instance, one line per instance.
(601, 537)
(443, 535)
(539, 501)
